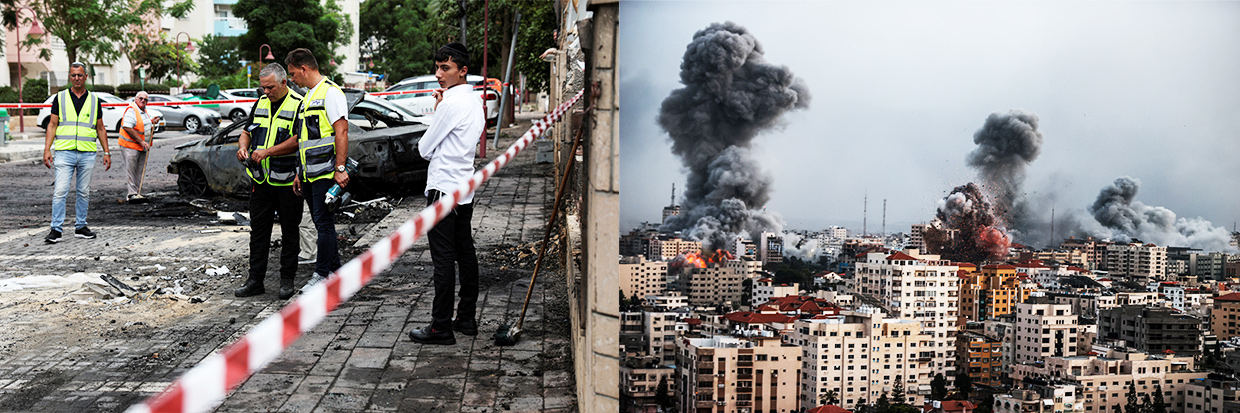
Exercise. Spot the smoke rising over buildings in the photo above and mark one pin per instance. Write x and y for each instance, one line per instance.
(1118, 211)
(1005, 145)
(730, 95)
(981, 235)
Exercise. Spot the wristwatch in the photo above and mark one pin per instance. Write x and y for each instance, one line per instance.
(339, 168)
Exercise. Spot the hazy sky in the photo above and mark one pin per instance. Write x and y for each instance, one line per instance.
(1145, 89)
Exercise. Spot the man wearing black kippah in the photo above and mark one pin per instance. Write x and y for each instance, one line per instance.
(450, 144)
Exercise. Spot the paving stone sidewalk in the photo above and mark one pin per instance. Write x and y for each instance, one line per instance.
(360, 357)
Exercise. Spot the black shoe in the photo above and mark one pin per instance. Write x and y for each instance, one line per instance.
(84, 232)
(428, 335)
(466, 327)
(52, 237)
(252, 287)
(286, 288)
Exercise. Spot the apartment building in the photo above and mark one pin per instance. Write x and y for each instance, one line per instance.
(1052, 398)
(718, 283)
(641, 278)
(724, 374)
(914, 286)
(1154, 330)
(771, 248)
(980, 357)
(861, 354)
(1214, 394)
(1095, 250)
(1224, 316)
(639, 381)
(1044, 329)
(764, 289)
(1136, 261)
(668, 249)
(1102, 380)
(993, 291)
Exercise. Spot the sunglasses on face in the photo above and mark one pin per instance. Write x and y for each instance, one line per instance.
(142, 99)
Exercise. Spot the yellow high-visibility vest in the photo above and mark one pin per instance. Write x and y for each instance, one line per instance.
(317, 143)
(76, 131)
(267, 131)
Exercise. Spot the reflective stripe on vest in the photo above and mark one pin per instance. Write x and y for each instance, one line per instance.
(76, 131)
(269, 132)
(317, 141)
(129, 141)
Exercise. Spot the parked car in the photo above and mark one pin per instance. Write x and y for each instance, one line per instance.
(246, 93)
(236, 112)
(192, 118)
(424, 104)
(111, 114)
(364, 114)
(387, 155)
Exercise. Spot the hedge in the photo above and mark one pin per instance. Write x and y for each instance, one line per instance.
(103, 88)
(130, 89)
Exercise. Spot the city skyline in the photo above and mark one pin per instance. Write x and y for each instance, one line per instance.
(1140, 90)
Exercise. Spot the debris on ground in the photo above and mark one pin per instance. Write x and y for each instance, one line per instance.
(212, 269)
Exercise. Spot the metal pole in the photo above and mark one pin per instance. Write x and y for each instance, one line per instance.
(486, 24)
(512, 51)
(463, 29)
(21, 113)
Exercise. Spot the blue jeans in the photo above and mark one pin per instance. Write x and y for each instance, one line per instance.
(78, 166)
(325, 222)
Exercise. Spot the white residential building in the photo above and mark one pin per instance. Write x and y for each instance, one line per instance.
(1045, 330)
(913, 286)
(764, 289)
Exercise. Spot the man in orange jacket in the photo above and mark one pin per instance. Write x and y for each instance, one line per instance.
(135, 141)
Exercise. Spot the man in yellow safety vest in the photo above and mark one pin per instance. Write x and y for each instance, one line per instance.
(322, 132)
(268, 147)
(76, 123)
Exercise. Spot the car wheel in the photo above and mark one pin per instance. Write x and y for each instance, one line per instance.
(192, 123)
(191, 181)
(237, 115)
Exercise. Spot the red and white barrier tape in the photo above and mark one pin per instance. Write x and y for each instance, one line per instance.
(206, 102)
(204, 386)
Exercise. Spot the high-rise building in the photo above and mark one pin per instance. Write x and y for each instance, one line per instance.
(764, 289)
(861, 355)
(669, 248)
(1095, 250)
(718, 283)
(1045, 330)
(724, 374)
(641, 278)
(1136, 261)
(992, 292)
(980, 357)
(913, 286)
(639, 381)
(1154, 330)
(771, 248)
(1212, 394)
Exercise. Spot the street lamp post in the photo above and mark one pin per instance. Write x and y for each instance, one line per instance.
(190, 42)
(268, 56)
(35, 32)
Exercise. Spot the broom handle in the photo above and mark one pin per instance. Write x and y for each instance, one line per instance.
(559, 195)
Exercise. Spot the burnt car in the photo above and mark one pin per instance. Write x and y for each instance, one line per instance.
(383, 138)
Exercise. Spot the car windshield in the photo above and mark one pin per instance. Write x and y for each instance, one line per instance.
(109, 98)
(386, 107)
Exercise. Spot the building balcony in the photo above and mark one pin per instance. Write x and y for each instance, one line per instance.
(230, 27)
(744, 377)
(744, 363)
(744, 389)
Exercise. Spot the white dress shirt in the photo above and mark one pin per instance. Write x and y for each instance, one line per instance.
(451, 141)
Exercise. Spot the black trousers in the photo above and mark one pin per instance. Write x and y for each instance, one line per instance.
(452, 244)
(265, 200)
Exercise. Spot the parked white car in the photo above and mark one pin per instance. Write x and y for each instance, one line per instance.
(111, 114)
(423, 104)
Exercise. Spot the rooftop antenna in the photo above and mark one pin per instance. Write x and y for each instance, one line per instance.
(673, 194)
(1052, 240)
(884, 218)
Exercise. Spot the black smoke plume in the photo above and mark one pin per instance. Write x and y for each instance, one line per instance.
(971, 231)
(1118, 211)
(1005, 145)
(730, 95)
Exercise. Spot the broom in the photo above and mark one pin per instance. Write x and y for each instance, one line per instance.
(508, 334)
(139, 199)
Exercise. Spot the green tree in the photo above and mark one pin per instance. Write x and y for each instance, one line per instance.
(94, 28)
(1147, 406)
(964, 384)
(397, 34)
(287, 25)
(1159, 405)
(218, 56)
(534, 35)
(897, 393)
(883, 405)
(1132, 406)
(987, 405)
(662, 395)
(938, 387)
(830, 397)
(162, 58)
(34, 91)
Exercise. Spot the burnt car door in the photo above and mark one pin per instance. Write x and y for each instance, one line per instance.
(225, 174)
